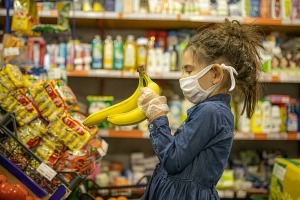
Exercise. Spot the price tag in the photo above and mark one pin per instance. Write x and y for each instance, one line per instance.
(102, 151)
(46, 171)
(279, 172)
(11, 51)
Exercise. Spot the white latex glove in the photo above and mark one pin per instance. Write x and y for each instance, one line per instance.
(152, 104)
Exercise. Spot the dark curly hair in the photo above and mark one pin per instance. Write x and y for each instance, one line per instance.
(236, 45)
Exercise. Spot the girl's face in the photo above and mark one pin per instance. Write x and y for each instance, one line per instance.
(190, 68)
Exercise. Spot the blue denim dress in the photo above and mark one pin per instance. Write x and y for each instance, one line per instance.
(193, 160)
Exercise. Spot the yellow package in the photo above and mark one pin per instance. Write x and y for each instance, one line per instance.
(285, 180)
(63, 9)
(74, 135)
(14, 74)
(25, 17)
(11, 47)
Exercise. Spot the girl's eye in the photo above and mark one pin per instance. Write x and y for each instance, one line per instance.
(188, 72)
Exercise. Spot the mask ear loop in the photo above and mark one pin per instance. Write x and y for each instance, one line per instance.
(231, 71)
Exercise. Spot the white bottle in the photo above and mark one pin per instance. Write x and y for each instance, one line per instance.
(266, 116)
(159, 57)
(243, 121)
(275, 119)
(151, 56)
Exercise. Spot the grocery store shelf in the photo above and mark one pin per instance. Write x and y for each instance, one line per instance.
(121, 74)
(269, 136)
(237, 135)
(164, 20)
(282, 77)
(240, 194)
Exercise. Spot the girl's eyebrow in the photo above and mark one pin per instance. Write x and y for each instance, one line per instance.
(187, 66)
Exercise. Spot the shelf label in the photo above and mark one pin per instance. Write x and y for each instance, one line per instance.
(46, 171)
(279, 171)
(102, 151)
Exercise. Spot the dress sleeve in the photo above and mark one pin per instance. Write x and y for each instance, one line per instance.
(176, 152)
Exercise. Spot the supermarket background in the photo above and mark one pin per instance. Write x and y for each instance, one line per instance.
(87, 51)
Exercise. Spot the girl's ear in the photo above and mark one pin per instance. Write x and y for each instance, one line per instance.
(218, 73)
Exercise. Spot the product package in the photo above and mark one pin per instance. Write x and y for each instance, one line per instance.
(96, 103)
(285, 180)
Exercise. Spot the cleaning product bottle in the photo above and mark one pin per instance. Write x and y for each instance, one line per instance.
(151, 57)
(266, 116)
(159, 57)
(286, 9)
(118, 53)
(173, 58)
(141, 51)
(275, 119)
(97, 50)
(243, 122)
(175, 105)
(275, 9)
(256, 119)
(130, 54)
(108, 53)
(292, 118)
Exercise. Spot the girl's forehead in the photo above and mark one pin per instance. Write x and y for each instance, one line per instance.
(189, 59)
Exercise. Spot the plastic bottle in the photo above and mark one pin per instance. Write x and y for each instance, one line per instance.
(158, 58)
(98, 6)
(275, 119)
(109, 5)
(175, 112)
(275, 9)
(265, 11)
(118, 53)
(130, 54)
(292, 118)
(243, 124)
(86, 5)
(97, 50)
(173, 58)
(254, 8)
(298, 114)
(295, 13)
(108, 53)
(119, 6)
(266, 116)
(256, 119)
(141, 51)
(204, 7)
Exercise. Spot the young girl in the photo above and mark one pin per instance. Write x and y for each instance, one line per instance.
(218, 60)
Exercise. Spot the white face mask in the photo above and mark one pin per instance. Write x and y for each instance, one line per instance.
(192, 90)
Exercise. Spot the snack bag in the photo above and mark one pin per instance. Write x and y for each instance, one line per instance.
(70, 131)
(21, 106)
(10, 78)
(96, 103)
(50, 150)
(32, 133)
(83, 161)
(52, 98)
(80, 117)
(25, 17)
(63, 9)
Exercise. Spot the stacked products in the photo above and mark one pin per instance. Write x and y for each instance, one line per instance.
(49, 123)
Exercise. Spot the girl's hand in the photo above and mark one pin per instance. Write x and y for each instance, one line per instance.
(152, 104)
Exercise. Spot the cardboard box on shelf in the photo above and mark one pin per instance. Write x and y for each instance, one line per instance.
(285, 180)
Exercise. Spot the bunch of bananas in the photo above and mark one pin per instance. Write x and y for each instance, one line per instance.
(126, 112)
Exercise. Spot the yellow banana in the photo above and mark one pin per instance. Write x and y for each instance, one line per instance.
(136, 115)
(124, 106)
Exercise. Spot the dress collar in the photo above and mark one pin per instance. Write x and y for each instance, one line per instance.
(218, 97)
